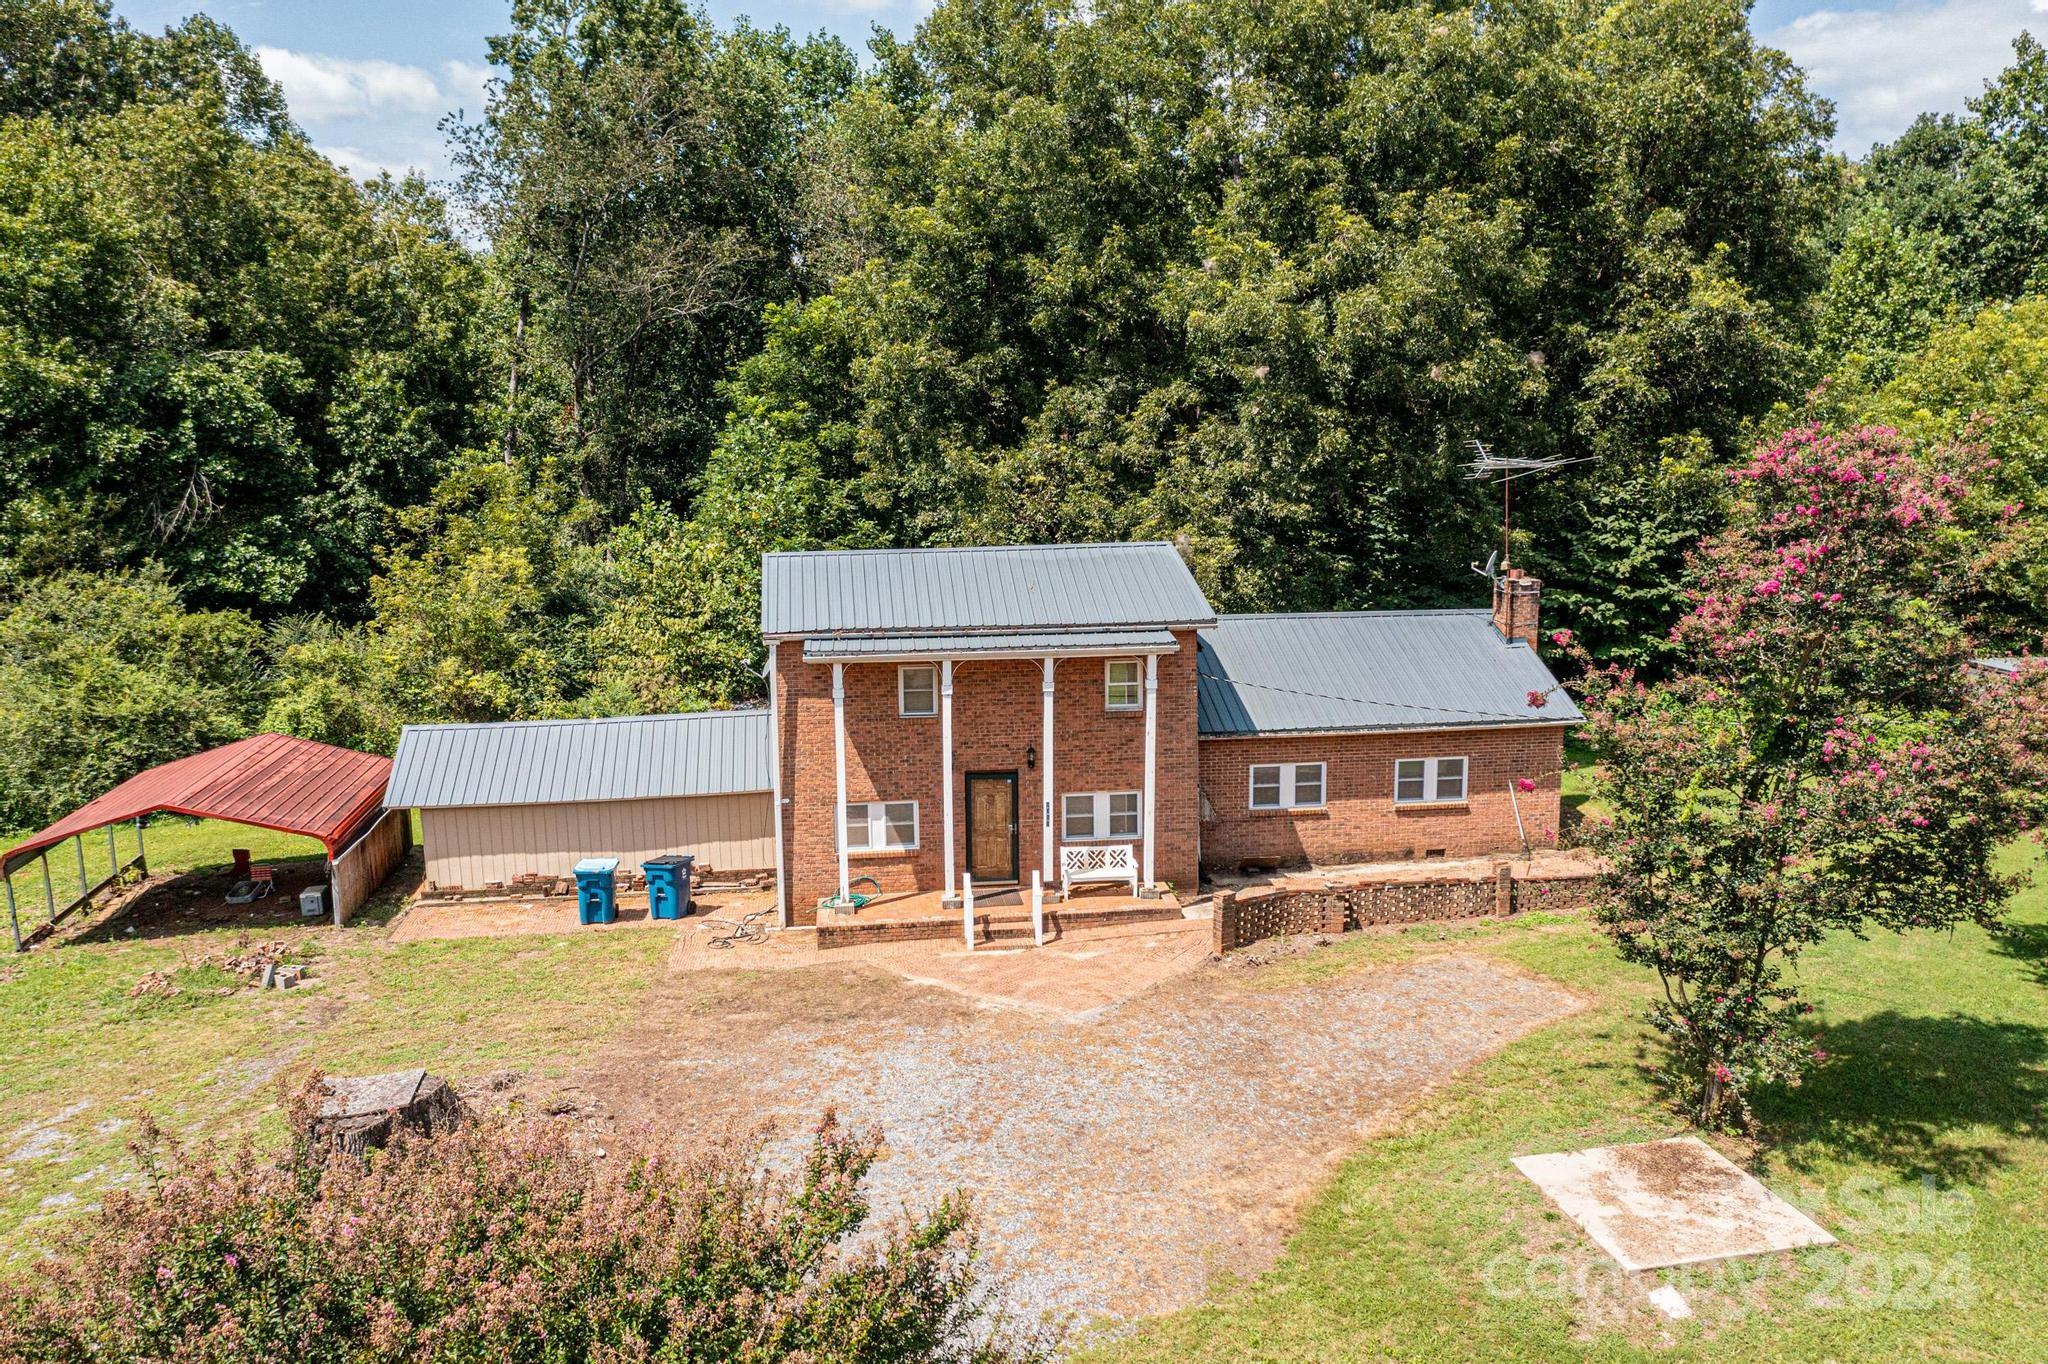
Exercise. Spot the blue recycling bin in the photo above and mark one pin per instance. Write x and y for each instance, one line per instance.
(668, 885)
(596, 891)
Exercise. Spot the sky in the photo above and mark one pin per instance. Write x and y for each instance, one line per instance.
(369, 80)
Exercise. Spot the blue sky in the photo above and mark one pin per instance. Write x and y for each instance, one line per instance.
(370, 79)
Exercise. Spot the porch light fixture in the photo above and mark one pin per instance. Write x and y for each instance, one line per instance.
(1031, 757)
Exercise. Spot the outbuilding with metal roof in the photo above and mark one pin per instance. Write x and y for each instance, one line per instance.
(498, 802)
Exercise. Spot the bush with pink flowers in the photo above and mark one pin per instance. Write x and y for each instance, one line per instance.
(506, 1240)
(1821, 758)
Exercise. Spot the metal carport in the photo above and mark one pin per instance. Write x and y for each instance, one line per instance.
(271, 781)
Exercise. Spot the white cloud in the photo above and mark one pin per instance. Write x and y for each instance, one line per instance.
(1885, 67)
(465, 84)
(361, 165)
(320, 88)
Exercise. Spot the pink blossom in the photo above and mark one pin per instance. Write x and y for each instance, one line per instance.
(1536, 699)
(1769, 587)
(1560, 637)
(1524, 784)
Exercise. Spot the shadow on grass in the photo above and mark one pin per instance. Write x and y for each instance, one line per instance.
(196, 902)
(2026, 944)
(1904, 1091)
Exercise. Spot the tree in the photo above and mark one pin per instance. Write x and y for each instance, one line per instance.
(219, 354)
(102, 677)
(1887, 290)
(642, 176)
(1247, 275)
(1818, 761)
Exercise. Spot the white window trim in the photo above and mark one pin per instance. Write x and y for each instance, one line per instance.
(878, 825)
(902, 676)
(1137, 685)
(1429, 780)
(1100, 801)
(1287, 786)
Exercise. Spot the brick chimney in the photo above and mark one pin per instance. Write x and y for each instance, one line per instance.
(1516, 597)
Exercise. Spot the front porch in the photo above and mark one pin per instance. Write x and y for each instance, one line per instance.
(1000, 916)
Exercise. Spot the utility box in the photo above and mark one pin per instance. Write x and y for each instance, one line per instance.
(668, 885)
(596, 890)
(313, 901)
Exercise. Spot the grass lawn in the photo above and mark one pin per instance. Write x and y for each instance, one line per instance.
(81, 1057)
(1921, 1146)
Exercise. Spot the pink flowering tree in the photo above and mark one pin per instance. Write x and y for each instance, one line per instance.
(1820, 760)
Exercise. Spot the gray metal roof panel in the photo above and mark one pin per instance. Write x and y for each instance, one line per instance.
(995, 587)
(826, 648)
(1369, 670)
(543, 762)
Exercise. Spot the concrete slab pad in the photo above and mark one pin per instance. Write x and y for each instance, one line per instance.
(1675, 1202)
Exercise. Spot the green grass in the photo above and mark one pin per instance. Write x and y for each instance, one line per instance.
(1427, 1243)
(82, 1057)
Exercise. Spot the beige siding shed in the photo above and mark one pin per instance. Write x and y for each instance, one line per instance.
(534, 798)
(476, 845)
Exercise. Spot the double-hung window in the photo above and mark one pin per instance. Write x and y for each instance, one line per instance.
(1123, 684)
(917, 689)
(1087, 815)
(881, 826)
(1426, 781)
(1288, 786)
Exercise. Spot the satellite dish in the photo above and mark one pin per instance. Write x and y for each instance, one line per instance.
(1490, 572)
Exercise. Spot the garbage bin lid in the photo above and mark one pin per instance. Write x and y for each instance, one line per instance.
(670, 860)
(597, 864)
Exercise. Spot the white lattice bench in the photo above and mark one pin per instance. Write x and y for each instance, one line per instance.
(1109, 862)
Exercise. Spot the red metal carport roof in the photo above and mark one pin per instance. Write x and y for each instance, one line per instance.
(272, 781)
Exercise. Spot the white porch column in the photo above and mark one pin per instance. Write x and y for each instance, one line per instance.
(775, 788)
(946, 763)
(1051, 792)
(839, 764)
(1151, 755)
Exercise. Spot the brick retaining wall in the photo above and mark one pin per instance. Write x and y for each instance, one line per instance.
(1245, 917)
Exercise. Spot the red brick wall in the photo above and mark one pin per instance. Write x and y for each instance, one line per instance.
(1359, 821)
(996, 715)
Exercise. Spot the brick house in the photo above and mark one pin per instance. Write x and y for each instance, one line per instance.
(974, 711)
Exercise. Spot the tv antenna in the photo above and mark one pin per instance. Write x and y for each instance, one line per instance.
(1485, 464)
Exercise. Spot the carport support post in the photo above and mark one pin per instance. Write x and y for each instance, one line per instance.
(946, 762)
(141, 857)
(113, 853)
(839, 768)
(1151, 756)
(49, 892)
(78, 846)
(1045, 741)
(13, 918)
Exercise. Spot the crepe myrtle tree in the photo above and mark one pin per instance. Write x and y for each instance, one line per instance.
(1819, 757)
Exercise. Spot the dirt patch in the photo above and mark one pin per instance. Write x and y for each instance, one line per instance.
(1119, 1159)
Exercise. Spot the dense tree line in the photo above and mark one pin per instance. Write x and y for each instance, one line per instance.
(278, 448)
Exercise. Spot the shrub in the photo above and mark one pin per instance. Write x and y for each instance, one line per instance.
(507, 1239)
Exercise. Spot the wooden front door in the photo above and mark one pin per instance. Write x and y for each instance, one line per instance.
(992, 826)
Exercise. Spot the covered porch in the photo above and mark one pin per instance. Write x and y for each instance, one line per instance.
(1000, 827)
(1007, 917)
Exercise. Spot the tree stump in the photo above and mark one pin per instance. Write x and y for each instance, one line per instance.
(365, 1112)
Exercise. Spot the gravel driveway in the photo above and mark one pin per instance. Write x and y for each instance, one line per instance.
(1117, 1160)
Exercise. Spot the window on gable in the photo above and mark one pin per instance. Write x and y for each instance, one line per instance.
(881, 826)
(1098, 814)
(1288, 786)
(1123, 685)
(1425, 781)
(917, 689)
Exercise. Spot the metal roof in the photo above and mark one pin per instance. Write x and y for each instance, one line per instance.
(828, 647)
(272, 781)
(1369, 670)
(994, 588)
(2009, 666)
(547, 762)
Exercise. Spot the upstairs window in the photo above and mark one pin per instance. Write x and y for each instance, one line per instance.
(1428, 781)
(1123, 684)
(917, 689)
(1289, 786)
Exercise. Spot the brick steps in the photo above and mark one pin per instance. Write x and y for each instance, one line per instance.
(1006, 926)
